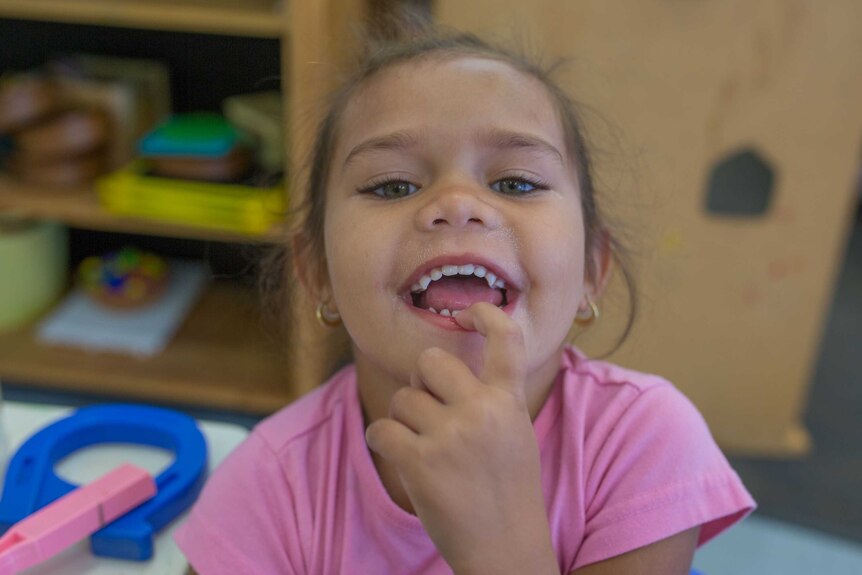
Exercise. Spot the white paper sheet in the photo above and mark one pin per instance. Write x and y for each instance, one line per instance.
(81, 322)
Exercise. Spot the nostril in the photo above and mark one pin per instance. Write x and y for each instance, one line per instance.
(439, 221)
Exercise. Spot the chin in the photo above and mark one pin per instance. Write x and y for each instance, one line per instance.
(469, 349)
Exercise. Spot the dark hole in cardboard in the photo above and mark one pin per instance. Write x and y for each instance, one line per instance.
(740, 185)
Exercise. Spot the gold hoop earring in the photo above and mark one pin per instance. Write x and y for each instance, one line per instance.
(325, 317)
(589, 315)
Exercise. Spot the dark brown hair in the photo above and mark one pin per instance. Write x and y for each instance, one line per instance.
(407, 42)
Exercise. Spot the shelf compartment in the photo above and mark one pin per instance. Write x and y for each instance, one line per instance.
(220, 358)
(250, 18)
(79, 207)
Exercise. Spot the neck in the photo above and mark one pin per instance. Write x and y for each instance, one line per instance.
(375, 392)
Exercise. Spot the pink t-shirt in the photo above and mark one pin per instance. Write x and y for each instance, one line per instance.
(626, 461)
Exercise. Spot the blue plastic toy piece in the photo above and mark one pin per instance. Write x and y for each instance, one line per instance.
(31, 482)
(201, 135)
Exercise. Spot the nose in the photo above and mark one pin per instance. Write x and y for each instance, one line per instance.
(457, 206)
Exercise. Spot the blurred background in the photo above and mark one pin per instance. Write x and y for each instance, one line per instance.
(727, 141)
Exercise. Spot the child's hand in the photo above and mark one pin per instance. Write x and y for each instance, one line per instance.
(467, 455)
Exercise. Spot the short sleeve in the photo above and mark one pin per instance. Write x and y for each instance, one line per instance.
(241, 523)
(658, 472)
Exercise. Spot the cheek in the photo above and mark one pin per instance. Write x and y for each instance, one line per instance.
(342, 251)
(357, 257)
(557, 269)
(560, 258)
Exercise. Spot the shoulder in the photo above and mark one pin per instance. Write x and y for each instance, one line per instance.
(635, 422)
(255, 506)
(652, 467)
(611, 398)
(607, 376)
(278, 453)
(317, 413)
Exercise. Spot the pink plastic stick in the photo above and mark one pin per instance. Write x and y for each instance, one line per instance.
(73, 517)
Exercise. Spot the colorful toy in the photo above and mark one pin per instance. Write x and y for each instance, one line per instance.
(76, 515)
(127, 278)
(197, 146)
(194, 134)
(246, 209)
(31, 482)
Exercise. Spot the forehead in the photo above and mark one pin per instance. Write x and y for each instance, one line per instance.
(469, 92)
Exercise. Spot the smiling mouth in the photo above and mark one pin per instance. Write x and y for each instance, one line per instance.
(449, 289)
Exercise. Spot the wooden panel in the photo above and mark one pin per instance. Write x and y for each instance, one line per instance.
(733, 307)
(79, 207)
(221, 357)
(254, 18)
(322, 41)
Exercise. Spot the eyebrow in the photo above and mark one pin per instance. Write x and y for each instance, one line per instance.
(506, 140)
(401, 140)
(496, 138)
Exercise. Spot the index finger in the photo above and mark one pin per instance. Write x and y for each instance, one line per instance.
(504, 356)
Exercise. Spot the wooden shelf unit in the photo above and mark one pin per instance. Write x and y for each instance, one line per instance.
(221, 357)
(253, 18)
(79, 207)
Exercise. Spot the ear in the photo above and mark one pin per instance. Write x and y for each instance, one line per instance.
(310, 272)
(601, 257)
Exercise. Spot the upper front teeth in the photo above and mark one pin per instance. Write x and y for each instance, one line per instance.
(453, 270)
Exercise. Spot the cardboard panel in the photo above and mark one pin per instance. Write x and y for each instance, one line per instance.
(733, 305)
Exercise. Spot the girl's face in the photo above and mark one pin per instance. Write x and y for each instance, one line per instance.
(452, 162)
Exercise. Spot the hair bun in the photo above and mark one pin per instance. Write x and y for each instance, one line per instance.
(395, 25)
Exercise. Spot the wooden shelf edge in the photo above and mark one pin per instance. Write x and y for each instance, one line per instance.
(79, 207)
(251, 19)
(247, 401)
(220, 358)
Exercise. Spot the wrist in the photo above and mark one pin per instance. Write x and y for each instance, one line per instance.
(523, 558)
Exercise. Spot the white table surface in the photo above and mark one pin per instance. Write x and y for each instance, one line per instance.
(21, 420)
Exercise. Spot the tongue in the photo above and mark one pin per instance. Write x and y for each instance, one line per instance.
(456, 293)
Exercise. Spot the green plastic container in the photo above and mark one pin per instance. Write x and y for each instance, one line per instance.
(33, 269)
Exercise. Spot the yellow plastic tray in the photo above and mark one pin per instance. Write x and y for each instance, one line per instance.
(222, 206)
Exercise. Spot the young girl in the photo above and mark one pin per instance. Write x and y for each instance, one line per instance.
(452, 228)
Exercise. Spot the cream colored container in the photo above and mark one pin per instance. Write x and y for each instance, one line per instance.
(4, 439)
(33, 269)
